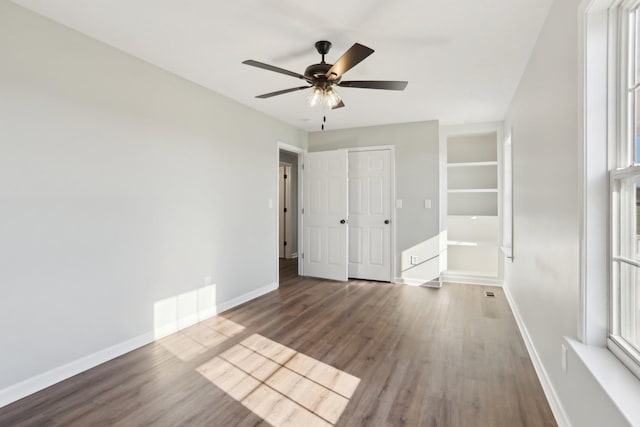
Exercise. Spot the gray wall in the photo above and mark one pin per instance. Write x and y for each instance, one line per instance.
(121, 185)
(543, 279)
(292, 159)
(417, 154)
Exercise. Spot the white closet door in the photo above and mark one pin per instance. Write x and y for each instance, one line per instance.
(370, 215)
(325, 215)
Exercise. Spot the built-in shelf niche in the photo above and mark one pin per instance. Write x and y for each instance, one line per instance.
(472, 200)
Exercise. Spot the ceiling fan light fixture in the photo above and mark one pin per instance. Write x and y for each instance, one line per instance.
(326, 97)
(331, 97)
(315, 97)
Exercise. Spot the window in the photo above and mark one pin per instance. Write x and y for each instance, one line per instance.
(624, 336)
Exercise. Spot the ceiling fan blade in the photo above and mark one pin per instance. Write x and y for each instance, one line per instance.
(339, 105)
(348, 60)
(280, 92)
(273, 68)
(375, 84)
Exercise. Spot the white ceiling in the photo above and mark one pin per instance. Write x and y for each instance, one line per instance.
(463, 59)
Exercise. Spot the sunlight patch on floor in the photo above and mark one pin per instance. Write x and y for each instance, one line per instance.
(197, 339)
(280, 385)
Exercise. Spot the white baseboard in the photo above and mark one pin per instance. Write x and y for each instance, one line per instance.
(471, 280)
(246, 297)
(294, 255)
(552, 397)
(435, 283)
(39, 382)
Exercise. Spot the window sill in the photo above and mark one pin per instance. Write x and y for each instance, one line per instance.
(615, 379)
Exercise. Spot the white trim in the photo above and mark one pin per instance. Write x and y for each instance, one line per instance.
(472, 243)
(392, 210)
(435, 283)
(625, 352)
(626, 261)
(473, 190)
(222, 307)
(46, 379)
(552, 397)
(507, 251)
(40, 382)
(372, 148)
(506, 180)
(470, 280)
(291, 148)
(615, 379)
(471, 164)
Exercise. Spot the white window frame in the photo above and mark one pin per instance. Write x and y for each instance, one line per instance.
(623, 171)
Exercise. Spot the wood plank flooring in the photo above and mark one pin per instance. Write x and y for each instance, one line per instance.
(317, 352)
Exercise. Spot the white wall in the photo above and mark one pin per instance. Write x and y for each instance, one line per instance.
(543, 279)
(417, 179)
(121, 185)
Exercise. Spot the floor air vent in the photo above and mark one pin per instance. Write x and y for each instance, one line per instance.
(489, 294)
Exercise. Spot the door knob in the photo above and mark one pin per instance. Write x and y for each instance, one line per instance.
(342, 221)
(386, 221)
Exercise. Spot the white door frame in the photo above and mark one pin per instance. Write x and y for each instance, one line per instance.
(300, 153)
(392, 198)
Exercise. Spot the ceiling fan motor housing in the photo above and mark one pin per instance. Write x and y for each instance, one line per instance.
(317, 73)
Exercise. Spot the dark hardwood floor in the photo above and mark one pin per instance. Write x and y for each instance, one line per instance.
(317, 352)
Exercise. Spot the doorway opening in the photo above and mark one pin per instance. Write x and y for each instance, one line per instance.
(286, 214)
(288, 221)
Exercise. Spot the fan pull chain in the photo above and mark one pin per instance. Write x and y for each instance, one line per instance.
(324, 120)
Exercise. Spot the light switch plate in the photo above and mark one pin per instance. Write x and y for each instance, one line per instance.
(399, 204)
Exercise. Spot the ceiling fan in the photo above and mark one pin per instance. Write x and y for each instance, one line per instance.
(323, 77)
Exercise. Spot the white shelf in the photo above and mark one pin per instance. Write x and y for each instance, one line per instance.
(471, 164)
(474, 190)
(473, 244)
